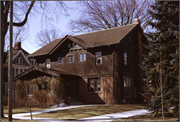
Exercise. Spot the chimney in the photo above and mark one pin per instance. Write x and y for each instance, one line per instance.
(17, 46)
(136, 21)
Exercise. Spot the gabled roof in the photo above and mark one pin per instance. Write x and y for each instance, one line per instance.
(88, 40)
(51, 71)
(14, 54)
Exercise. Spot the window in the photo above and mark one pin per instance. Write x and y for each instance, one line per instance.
(94, 84)
(125, 58)
(19, 60)
(70, 59)
(127, 81)
(31, 88)
(98, 58)
(69, 45)
(47, 63)
(18, 71)
(60, 60)
(73, 44)
(33, 62)
(82, 57)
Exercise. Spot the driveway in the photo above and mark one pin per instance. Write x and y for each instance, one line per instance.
(106, 117)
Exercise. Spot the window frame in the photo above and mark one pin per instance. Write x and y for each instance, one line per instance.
(95, 84)
(127, 82)
(19, 69)
(19, 60)
(82, 57)
(125, 58)
(98, 57)
(70, 59)
(60, 60)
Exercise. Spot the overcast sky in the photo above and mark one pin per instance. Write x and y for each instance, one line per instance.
(35, 26)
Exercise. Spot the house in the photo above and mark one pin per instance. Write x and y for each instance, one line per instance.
(20, 64)
(97, 67)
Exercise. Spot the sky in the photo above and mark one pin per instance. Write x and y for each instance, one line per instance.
(35, 26)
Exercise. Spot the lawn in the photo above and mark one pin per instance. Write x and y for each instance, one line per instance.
(23, 110)
(89, 111)
(149, 117)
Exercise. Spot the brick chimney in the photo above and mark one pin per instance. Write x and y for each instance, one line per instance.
(17, 46)
(136, 21)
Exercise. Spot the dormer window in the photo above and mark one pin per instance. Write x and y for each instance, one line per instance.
(69, 45)
(19, 60)
(73, 44)
(98, 58)
(60, 60)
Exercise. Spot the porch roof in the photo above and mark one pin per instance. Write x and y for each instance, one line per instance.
(50, 71)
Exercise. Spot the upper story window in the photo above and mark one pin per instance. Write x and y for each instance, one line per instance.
(33, 62)
(94, 84)
(18, 71)
(98, 58)
(73, 44)
(47, 63)
(82, 57)
(70, 58)
(125, 58)
(69, 45)
(19, 60)
(60, 60)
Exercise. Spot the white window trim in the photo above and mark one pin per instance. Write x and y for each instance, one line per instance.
(83, 59)
(23, 56)
(18, 70)
(60, 59)
(73, 58)
(18, 60)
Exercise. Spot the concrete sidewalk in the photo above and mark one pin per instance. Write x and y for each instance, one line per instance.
(107, 117)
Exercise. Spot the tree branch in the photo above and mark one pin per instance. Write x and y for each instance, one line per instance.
(26, 16)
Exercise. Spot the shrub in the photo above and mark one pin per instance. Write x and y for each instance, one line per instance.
(41, 97)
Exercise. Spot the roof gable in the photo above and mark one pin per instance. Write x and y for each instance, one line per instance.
(89, 40)
(21, 52)
(80, 43)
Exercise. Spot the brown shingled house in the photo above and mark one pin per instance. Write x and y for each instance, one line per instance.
(20, 64)
(98, 67)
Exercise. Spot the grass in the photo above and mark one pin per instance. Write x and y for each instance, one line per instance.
(22, 110)
(14, 120)
(89, 111)
(149, 117)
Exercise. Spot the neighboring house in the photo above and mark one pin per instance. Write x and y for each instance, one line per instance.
(20, 64)
(97, 67)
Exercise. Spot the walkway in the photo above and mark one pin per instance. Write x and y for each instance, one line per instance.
(107, 117)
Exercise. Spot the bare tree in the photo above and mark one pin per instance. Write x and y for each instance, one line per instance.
(19, 35)
(99, 15)
(22, 11)
(46, 36)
